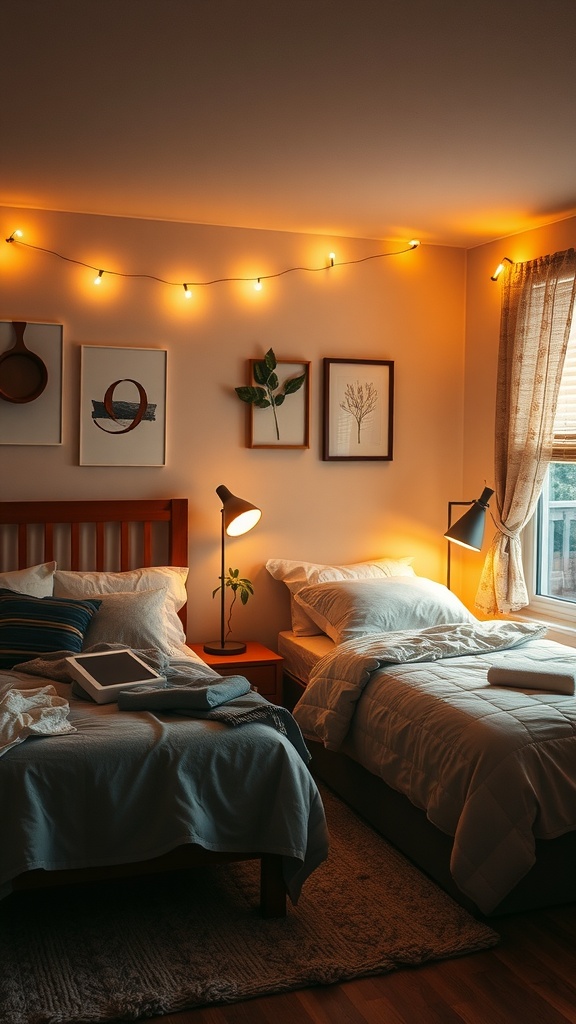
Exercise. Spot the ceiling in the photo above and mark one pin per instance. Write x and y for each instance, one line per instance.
(449, 121)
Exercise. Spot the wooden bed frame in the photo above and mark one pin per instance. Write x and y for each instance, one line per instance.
(116, 536)
(550, 882)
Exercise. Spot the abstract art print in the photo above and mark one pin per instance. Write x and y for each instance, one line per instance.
(122, 406)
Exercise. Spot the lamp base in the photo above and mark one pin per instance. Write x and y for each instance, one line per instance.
(228, 647)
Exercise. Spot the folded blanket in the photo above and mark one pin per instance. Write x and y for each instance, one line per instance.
(38, 712)
(198, 695)
(523, 675)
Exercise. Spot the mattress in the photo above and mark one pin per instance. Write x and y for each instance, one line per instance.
(302, 653)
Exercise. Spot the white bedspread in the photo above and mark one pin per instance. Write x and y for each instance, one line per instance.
(492, 767)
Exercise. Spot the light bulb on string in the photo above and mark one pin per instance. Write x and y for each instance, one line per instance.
(17, 234)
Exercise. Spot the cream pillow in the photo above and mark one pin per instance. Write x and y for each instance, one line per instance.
(134, 619)
(349, 609)
(297, 575)
(171, 578)
(37, 581)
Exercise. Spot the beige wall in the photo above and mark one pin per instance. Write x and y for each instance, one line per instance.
(482, 338)
(409, 308)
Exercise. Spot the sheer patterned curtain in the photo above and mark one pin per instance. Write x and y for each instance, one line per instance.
(537, 303)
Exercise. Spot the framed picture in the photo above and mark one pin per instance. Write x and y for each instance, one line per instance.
(286, 424)
(30, 383)
(122, 406)
(358, 409)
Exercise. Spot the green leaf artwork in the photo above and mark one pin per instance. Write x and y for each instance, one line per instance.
(268, 394)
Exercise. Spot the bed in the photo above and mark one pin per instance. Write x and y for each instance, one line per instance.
(175, 779)
(414, 716)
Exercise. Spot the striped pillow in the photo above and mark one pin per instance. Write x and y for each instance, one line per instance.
(33, 626)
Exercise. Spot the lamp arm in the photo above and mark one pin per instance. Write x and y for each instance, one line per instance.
(222, 574)
(451, 505)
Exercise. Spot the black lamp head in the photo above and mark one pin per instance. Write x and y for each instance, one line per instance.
(239, 515)
(468, 531)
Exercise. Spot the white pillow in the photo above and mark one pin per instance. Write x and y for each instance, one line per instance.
(349, 609)
(297, 575)
(136, 619)
(37, 581)
(172, 578)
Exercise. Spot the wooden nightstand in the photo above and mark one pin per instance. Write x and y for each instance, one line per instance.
(261, 667)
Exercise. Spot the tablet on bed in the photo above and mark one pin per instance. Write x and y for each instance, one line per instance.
(105, 673)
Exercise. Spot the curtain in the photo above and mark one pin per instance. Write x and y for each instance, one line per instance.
(537, 303)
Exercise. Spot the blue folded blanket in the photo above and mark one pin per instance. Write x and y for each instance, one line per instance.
(196, 696)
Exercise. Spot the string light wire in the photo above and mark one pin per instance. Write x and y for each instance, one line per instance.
(15, 238)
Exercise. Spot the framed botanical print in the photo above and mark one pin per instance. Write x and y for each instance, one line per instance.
(358, 409)
(122, 406)
(278, 400)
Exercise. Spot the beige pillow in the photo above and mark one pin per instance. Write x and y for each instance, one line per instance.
(297, 575)
(171, 578)
(37, 581)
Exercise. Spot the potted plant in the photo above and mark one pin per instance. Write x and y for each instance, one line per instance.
(239, 587)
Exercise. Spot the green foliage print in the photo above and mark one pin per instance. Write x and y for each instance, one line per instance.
(267, 393)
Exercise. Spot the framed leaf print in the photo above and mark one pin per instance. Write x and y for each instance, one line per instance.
(278, 399)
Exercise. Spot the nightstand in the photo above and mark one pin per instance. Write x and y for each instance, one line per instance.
(261, 667)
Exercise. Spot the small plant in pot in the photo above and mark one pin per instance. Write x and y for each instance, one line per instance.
(240, 587)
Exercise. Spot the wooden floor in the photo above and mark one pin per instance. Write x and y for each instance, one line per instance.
(530, 978)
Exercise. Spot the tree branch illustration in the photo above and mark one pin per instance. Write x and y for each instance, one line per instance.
(359, 401)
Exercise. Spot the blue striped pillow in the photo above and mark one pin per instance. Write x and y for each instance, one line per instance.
(33, 626)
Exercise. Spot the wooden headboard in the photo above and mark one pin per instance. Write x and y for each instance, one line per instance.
(111, 536)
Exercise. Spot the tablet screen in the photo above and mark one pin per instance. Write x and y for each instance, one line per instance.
(115, 667)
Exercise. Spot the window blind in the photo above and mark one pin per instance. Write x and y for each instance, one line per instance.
(564, 449)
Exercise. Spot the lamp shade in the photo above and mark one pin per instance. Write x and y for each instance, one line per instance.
(468, 531)
(239, 515)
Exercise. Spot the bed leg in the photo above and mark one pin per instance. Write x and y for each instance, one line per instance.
(272, 887)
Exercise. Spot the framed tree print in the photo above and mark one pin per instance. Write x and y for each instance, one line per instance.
(122, 406)
(358, 409)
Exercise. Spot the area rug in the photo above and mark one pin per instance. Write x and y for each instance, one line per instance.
(159, 945)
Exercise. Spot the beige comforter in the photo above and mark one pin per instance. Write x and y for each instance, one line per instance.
(492, 767)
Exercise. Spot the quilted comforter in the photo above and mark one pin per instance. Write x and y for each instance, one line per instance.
(492, 767)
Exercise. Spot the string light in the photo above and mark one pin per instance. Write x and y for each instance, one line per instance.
(16, 236)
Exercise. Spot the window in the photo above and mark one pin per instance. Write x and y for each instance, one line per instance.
(550, 548)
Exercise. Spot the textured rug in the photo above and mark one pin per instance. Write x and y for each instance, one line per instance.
(159, 945)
